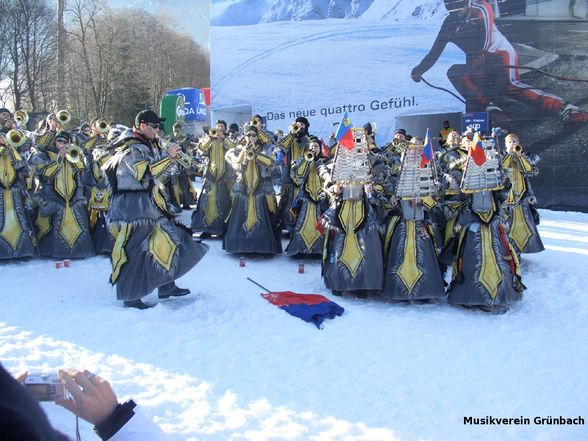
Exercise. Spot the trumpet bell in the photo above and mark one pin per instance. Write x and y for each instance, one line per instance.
(213, 133)
(21, 117)
(296, 128)
(309, 156)
(63, 117)
(73, 153)
(101, 126)
(15, 138)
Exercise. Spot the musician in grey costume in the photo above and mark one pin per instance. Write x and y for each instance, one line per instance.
(310, 204)
(412, 272)
(253, 224)
(486, 270)
(214, 202)
(16, 232)
(63, 230)
(352, 260)
(151, 249)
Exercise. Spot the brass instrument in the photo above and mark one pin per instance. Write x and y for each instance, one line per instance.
(185, 160)
(256, 123)
(63, 117)
(400, 145)
(101, 126)
(73, 153)
(249, 154)
(518, 149)
(21, 117)
(309, 156)
(213, 133)
(15, 138)
(296, 128)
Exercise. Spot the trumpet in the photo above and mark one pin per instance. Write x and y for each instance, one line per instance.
(185, 160)
(309, 156)
(249, 153)
(399, 144)
(15, 138)
(101, 125)
(256, 123)
(21, 117)
(296, 128)
(63, 117)
(517, 149)
(73, 153)
(213, 133)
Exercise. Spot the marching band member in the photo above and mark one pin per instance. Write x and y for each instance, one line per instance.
(62, 222)
(352, 260)
(486, 269)
(292, 147)
(411, 269)
(16, 232)
(310, 203)
(214, 203)
(151, 249)
(183, 192)
(520, 201)
(253, 225)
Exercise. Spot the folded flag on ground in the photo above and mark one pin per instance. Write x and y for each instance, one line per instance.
(313, 308)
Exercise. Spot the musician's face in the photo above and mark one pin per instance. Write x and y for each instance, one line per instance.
(400, 137)
(511, 142)
(52, 123)
(220, 127)
(314, 147)
(9, 123)
(60, 144)
(4, 117)
(149, 130)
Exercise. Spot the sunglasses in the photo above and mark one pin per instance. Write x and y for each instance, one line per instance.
(153, 126)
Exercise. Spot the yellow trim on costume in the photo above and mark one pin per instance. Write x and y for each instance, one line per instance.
(408, 271)
(490, 275)
(69, 229)
(389, 232)
(266, 160)
(7, 172)
(272, 203)
(519, 232)
(351, 216)
(211, 212)
(140, 169)
(160, 166)
(162, 247)
(11, 229)
(308, 231)
(118, 255)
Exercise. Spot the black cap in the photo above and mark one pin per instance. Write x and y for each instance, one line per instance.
(147, 116)
(64, 137)
(368, 128)
(401, 131)
(234, 127)
(5, 110)
(303, 120)
(221, 121)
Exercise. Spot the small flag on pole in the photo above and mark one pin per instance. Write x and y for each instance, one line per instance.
(344, 134)
(427, 151)
(477, 150)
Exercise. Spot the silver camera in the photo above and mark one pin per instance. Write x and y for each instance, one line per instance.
(45, 387)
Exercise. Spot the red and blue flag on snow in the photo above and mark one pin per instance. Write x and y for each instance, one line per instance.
(344, 134)
(312, 308)
(427, 151)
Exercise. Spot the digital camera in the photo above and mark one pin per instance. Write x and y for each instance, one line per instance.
(45, 387)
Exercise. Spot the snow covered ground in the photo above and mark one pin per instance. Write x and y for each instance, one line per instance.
(224, 364)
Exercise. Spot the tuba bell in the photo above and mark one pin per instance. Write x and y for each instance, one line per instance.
(21, 117)
(15, 138)
(73, 153)
(63, 117)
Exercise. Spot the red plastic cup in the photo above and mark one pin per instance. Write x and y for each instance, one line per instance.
(242, 262)
(300, 268)
(67, 263)
(57, 265)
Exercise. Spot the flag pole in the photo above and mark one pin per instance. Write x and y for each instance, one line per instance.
(262, 287)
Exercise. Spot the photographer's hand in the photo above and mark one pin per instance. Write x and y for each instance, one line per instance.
(93, 398)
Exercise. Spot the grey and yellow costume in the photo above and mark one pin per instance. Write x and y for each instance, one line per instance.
(214, 202)
(352, 259)
(151, 249)
(310, 204)
(520, 202)
(62, 225)
(253, 224)
(16, 232)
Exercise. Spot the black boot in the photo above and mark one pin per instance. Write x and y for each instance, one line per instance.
(137, 304)
(171, 290)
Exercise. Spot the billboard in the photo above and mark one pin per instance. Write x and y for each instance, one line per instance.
(387, 61)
